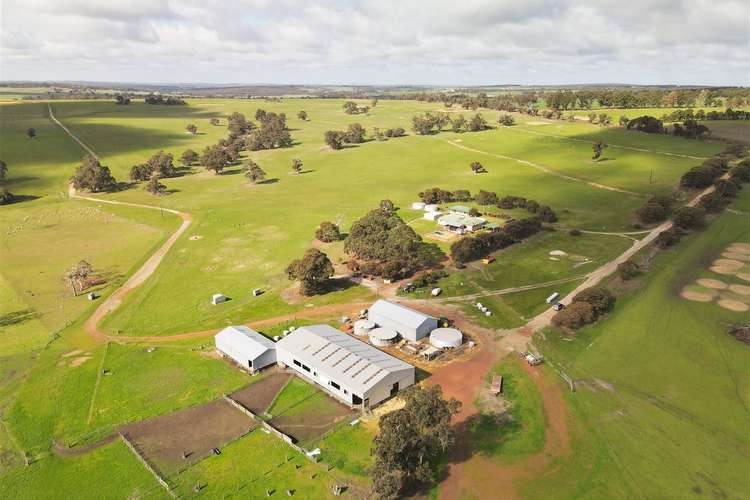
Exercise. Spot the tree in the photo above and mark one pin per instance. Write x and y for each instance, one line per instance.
(506, 120)
(188, 157)
(154, 186)
(624, 121)
(215, 158)
(598, 147)
(328, 232)
(477, 123)
(412, 439)
(214, 121)
(296, 165)
(647, 124)
(334, 139)
(574, 316)
(122, 100)
(486, 198)
(6, 197)
(313, 271)
(355, 134)
(374, 102)
(302, 115)
(477, 168)
(191, 128)
(351, 108)
(238, 125)
(3, 169)
(688, 217)
(77, 275)
(656, 209)
(387, 206)
(31, 132)
(601, 300)
(253, 172)
(458, 123)
(92, 175)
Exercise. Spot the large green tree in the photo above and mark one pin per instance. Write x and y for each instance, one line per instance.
(93, 176)
(313, 271)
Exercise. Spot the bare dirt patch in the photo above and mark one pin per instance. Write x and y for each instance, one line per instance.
(733, 305)
(736, 256)
(740, 289)
(715, 284)
(79, 361)
(177, 440)
(258, 396)
(744, 276)
(739, 247)
(696, 296)
(724, 269)
(196, 237)
(728, 263)
(72, 353)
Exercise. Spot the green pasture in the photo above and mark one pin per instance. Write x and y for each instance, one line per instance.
(111, 471)
(664, 396)
(347, 449)
(523, 432)
(251, 465)
(293, 397)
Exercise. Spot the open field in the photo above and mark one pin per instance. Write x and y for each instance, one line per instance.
(662, 387)
(77, 390)
(738, 131)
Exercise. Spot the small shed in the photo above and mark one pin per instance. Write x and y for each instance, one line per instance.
(250, 349)
(218, 298)
(430, 207)
(410, 324)
(431, 352)
(417, 205)
(459, 209)
(497, 384)
(432, 215)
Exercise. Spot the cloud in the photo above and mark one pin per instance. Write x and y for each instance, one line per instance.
(361, 41)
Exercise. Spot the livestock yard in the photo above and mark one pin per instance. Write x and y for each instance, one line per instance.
(129, 385)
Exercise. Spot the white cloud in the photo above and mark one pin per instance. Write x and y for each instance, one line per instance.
(405, 41)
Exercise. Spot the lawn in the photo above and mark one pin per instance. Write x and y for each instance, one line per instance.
(348, 449)
(665, 389)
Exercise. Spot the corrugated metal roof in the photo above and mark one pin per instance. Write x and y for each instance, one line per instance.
(400, 314)
(458, 220)
(245, 340)
(460, 209)
(340, 357)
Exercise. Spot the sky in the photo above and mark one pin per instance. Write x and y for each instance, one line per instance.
(377, 42)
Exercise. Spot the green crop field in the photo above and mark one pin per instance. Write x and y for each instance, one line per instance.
(57, 383)
(664, 401)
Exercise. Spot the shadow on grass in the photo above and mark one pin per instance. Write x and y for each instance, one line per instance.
(21, 198)
(18, 317)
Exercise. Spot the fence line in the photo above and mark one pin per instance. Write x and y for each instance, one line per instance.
(142, 458)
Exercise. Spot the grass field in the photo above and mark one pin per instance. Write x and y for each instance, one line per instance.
(665, 391)
(75, 390)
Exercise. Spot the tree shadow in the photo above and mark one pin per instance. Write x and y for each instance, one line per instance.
(17, 317)
(21, 198)
(337, 285)
(273, 180)
(309, 171)
(231, 172)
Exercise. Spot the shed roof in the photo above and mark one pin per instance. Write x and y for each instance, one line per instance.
(245, 340)
(458, 220)
(341, 357)
(400, 314)
(460, 209)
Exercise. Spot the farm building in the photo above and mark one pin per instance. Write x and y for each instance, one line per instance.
(248, 348)
(459, 209)
(461, 223)
(349, 369)
(410, 324)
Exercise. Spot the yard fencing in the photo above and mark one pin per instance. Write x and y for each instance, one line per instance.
(142, 458)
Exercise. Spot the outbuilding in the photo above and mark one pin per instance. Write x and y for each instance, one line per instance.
(248, 348)
(347, 368)
(410, 324)
(218, 298)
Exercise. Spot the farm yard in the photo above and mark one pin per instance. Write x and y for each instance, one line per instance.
(148, 369)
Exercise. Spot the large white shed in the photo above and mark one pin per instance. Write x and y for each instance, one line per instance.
(349, 369)
(410, 324)
(250, 349)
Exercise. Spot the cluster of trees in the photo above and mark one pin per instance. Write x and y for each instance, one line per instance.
(679, 115)
(602, 119)
(384, 135)
(505, 102)
(438, 195)
(647, 124)
(6, 197)
(217, 158)
(191, 128)
(271, 134)
(412, 440)
(327, 232)
(657, 209)
(429, 123)
(477, 168)
(629, 270)
(160, 99)
(690, 129)
(381, 244)
(354, 134)
(93, 176)
(160, 164)
(351, 108)
(122, 100)
(479, 246)
(704, 175)
(313, 271)
(587, 306)
(544, 212)
(506, 120)
(428, 278)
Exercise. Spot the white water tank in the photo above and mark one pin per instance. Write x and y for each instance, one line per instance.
(363, 327)
(446, 338)
(417, 205)
(430, 208)
(383, 336)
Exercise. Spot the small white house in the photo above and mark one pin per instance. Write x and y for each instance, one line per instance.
(251, 350)
(218, 298)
